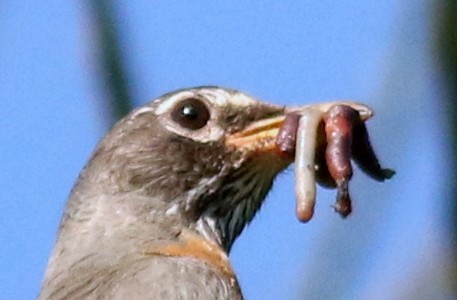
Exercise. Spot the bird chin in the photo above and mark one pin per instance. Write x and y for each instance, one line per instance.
(239, 198)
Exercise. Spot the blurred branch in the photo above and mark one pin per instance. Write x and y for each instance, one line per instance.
(110, 60)
(446, 26)
(447, 43)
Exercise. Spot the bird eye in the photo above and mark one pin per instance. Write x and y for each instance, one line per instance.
(191, 114)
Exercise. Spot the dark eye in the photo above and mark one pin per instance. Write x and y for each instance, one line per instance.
(191, 114)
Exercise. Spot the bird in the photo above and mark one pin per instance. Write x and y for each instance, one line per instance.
(165, 194)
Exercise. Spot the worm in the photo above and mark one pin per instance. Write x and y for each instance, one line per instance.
(305, 185)
(287, 135)
(323, 143)
(364, 155)
(339, 121)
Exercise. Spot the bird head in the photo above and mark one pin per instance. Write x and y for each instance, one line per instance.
(203, 158)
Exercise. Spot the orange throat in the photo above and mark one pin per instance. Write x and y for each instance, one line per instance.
(190, 244)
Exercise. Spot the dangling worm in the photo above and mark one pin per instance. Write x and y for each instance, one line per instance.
(327, 161)
(305, 181)
(364, 156)
(294, 139)
(339, 122)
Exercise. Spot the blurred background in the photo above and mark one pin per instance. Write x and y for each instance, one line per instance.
(69, 70)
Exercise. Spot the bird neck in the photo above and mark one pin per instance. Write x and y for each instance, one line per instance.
(218, 208)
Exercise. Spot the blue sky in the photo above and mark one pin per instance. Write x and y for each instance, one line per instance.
(289, 52)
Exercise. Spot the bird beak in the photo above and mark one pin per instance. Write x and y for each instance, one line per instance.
(260, 136)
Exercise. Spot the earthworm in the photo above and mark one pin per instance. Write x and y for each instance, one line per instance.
(323, 140)
(364, 156)
(287, 135)
(305, 185)
(339, 121)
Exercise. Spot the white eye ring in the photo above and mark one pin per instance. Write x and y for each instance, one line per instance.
(191, 113)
